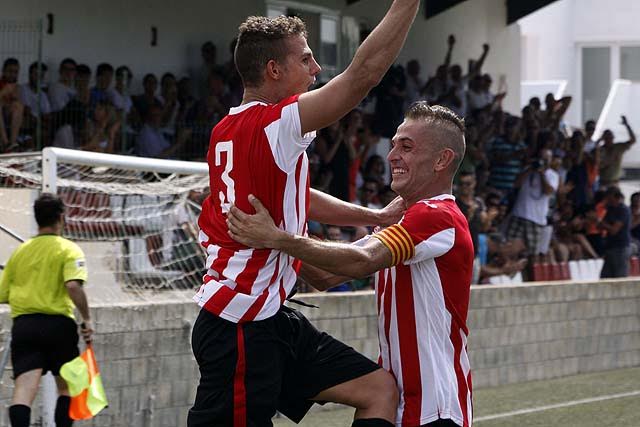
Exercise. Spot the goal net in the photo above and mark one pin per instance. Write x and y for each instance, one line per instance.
(135, 218)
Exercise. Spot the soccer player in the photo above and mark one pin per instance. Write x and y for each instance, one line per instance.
(255, 355)
(423, 264)
(42, 282)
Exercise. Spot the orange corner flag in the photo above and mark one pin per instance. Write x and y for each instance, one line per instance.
(85, 386)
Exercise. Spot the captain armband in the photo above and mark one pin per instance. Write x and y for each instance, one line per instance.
(398, 241)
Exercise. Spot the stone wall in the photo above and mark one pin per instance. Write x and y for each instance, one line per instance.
(518, 333)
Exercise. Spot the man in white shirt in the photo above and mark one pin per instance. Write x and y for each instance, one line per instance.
(119, 94)
(29, 94)
(36, 104)
(60, 93)
(536, 185)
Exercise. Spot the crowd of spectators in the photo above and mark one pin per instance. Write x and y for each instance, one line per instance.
(533, 189)
(97, 111)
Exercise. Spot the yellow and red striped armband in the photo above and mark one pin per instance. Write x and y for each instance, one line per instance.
(398, 241)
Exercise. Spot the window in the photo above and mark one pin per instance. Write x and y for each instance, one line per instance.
(329, 45)
(596, 80)
(323, 28)
(630, 62)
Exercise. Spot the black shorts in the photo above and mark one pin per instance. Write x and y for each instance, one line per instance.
(442, 423)
(42, 341)
(249, 371)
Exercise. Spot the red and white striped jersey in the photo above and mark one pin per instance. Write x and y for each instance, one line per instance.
(422, 312)
(257, 149)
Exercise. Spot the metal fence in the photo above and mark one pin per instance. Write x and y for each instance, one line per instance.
(21, 104)
(66, 106)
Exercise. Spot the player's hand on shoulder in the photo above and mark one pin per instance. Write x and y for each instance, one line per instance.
(393, 212)
(257, 230)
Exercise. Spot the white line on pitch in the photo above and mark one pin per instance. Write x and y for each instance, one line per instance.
(557, 405)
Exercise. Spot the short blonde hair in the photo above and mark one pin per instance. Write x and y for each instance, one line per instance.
(262, 39)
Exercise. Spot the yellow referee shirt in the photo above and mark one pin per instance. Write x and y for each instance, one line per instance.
(34, 277)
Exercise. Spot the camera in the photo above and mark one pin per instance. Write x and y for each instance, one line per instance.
(538, 164)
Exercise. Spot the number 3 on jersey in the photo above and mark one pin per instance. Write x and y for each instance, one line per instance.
(226, 200)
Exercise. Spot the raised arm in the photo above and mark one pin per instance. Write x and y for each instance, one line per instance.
(562, 106)
(319, 108)
(477, 66)
(632, 135)
(451, 41)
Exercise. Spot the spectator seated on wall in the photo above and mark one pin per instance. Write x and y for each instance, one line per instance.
(570, 242)
(499, 256)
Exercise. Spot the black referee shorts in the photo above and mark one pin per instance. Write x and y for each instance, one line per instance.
(42, 341)
(249, 371)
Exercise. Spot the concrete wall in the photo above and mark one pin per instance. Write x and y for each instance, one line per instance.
(518, 333)
(16, 213)
(548, 42)
(614, 20)
(540, 331)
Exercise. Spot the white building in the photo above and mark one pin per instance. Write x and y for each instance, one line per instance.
(595, 47)
(122, 31)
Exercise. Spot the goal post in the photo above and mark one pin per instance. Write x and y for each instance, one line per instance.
(135, 218)
(51, 156)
